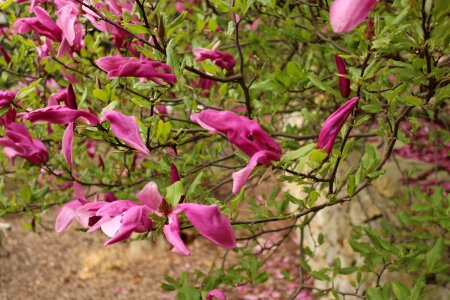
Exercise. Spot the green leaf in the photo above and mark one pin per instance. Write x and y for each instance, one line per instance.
(163, 131)
(401, 291)
(6, 4)
(348, 270)
(319, 83)
(293, 155)
(136, 29)
(234, 203)
(372, 108)
(110, 106)
(320, 276)
(361, 247)
(174, 193)
(197, 181)
(313, 196)
(433, 257)
(351, 185)
(377, 294)
(25, 91)
(25, 193)
(414, 101)
(27, 226)
(418, 289)
(175, 23)
(187, 292)
(101, 94)
(318, 155)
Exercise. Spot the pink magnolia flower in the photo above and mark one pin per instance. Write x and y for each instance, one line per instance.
(245, 134)
(18, 142)
(72, 31)
(126, 128)
(221, 59)
(117, 66)
(344, 82)
(66, 95)
(216, 294)
(57, 114)
(209, 222)
(117, 219)
(120, 218)
(333, 125)
(345, 15)
(42, 24)
(6, 97)
(207, 219)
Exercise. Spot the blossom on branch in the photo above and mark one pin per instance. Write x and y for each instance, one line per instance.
(245, 134)
(58, 114)
(117, 66)
(345, 15)
(333, 125)
(18, 142)
(42, 24)
(221, 59)
(344, 82)
(207, 219)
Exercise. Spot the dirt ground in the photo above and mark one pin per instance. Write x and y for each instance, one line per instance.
(74, 265)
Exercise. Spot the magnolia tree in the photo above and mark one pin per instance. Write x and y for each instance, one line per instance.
(144, 118)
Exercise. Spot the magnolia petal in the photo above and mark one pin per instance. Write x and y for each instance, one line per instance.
(115, 208)
(79, 191)
(126, 128)
(110, 226)
(84, 213)
(130, 220)
(244, 133)
(58, 114)
(210, 223)
(172, 233)
(66, 214)
(150, 196)
(240, 177)
(99, 223)
(67, 144)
